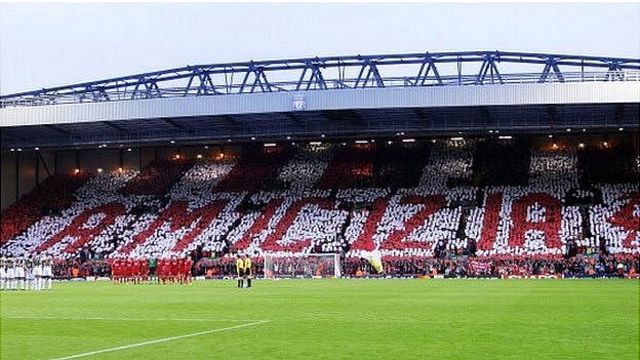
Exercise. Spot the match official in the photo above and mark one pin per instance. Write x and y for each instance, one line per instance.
(240, 271)
(247, 270)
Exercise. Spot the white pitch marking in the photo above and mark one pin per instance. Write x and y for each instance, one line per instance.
(162, 340)
(121, 319)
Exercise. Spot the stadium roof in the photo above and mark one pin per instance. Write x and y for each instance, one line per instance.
(373, 95)
(338, 72)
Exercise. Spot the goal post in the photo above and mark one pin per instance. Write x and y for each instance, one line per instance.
(301, 266)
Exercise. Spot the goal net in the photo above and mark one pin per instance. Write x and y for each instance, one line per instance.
(303, 266)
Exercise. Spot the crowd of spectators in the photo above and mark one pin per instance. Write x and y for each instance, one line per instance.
(49, 198)
(331, 198)
(503, 266)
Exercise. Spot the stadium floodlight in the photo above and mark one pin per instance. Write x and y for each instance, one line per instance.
(12, 149)
(505, 137)
(269, 144)
(36, 148)
(620, 129)
(128, 149)
(253, 138)
(584, 130)
(568, 129)
(322, 136)
(228, 140)
(288, 137)
(172, 141)
(490, 131)
(19, 149)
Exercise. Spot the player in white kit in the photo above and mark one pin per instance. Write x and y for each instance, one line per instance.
(3, 273)
(28, 274)
(47, 273)
(20, 273)
(11, 272)
(37, 275)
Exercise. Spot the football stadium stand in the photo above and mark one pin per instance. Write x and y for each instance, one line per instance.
(470, 163)
(450, 207)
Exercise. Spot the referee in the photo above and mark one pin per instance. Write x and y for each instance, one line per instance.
(240, 271)
(247, 270)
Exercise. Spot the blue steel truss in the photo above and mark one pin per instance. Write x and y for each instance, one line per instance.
(339, 72)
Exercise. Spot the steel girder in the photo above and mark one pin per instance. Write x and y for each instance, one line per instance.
(323, 73)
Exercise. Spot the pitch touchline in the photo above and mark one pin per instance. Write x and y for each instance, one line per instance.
(162, 340)
(121, 319)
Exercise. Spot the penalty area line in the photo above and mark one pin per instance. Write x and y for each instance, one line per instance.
(161, 340)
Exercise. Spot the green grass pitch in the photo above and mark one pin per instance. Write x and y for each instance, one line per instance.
(326, 319)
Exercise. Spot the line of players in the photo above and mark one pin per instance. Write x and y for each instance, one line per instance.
(163, 271)
(25, 274)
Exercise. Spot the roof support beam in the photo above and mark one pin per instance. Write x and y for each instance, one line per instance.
(57, 129)
(320, 73)
(116, 127)
(430, 66)
(174, 124)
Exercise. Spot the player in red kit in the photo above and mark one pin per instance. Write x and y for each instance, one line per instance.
(188, 267)
(144, 270)
(129, 269)
(162, 270)
(134, 271)
(119, 271)
(178, 271)
(175, 269)
(114, 271)
(182, 264)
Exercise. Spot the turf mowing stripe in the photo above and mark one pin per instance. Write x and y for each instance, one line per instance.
(158, 341)
(120, 319)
